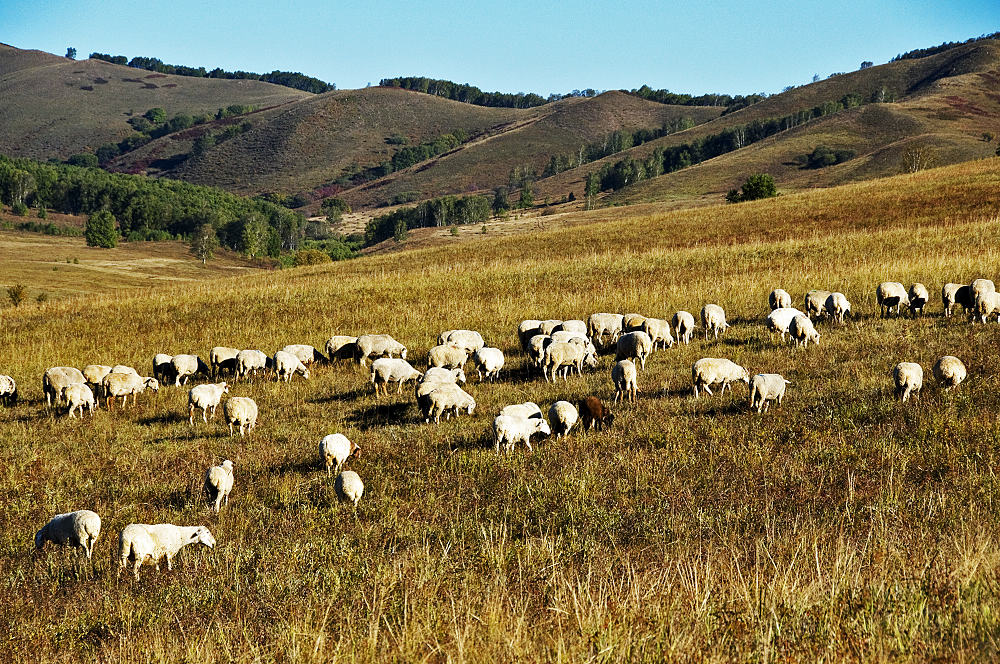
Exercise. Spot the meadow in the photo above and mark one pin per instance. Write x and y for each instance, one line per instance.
(841, 526)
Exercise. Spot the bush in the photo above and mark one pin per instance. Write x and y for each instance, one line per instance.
(334, 208)
(101, 231)
(17, 293)
(19, 208)
(756, 187)
(311, 257)
(85, 160)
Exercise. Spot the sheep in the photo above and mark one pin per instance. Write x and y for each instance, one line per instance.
(837, 307)
(950, 372)
(632, 322)
(125, 385)
(488, 361)
(223, 358)
(713, 319)
(93, 374)
(566, 356)
(445, 398)
(565, 336)
(508, 430)
(219, 484)
(377, 345)
(185, 366)
(779, 299)
(600, 324)
(683, 323)
(141, 542)
(468, 340)
(979, 288)
(442, 375)
(79, 395)
(803, 331)
(527, 410)
(891, 294)
(815, 302)
(287, 365)
(349, 487)
(206, 397)
(79, 529)
(447, 356)
(335, 449)
(549, 326)
(765, 388)
(306, 354)
(562, 417)
(55, 379)
(162, 367)
(8, 390)
(908, 378)
(340, 347)
(573, 325)
(988, 305)
(952, 294)
(536, 348)
(780, 319)
(658, 330)
(634, 346)
(918, 299)
(387, 370)
(711, 370)
(527, 329)
(625, 377)
(594, 414)
(250, 362)
(241, 411)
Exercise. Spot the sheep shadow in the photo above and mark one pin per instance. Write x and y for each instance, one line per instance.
(380, 414)
(351, 396)
(168, 418)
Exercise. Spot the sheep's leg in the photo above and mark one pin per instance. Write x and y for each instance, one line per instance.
(707, 389)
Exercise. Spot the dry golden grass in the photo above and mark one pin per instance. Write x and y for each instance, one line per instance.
(842, 526)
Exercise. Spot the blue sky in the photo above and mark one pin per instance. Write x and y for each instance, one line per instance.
(710, 46)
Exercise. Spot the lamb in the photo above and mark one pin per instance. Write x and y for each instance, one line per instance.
(536, 348)
(574, 325)
(250, 362)
(79, 395)
(566, 356)
(711, 370)
(447, 398)
(779, 299)
(815, 302)
(223, 358)
(508, 430)
(802, 331)
(765, 388)
(55, 379)
(683, 322)
(206, 397)
(918, 299)
(387, 370)
(447, 356)
(468, 340)
(93, 374)
(335, 450)
(549, 325)
(837, 307)
(526, 410)
(950, 372)
(891, 294)
(340, 347)
(562, 417)
(600, 324)
(527, 329)
(163, 369)
(287, 365)
(488, 361)
(140, 542)
(8, 390)
(713, 319)
(908, 378)
(951, 295)
(988, 305)
(594, 414)
(185, 366)
(125, 385)
(219, 484)
(241, 411)
(779, 320)
(377, 345)
(625, 377)
(306, 354)
(349, 487)
(632, 322)
(658, 331)
(79, 529)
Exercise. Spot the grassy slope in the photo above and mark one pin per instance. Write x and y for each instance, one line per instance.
(841, 526)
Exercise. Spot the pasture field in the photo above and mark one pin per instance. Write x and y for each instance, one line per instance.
(841, 526)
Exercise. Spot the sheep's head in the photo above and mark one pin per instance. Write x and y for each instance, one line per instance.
(355, 450)
(459, 376)
(402, 353)
(590, 360)
(152, 384)
(543, 427)
(228, 465)
(204, 536)
(745, 376)
(305, 371)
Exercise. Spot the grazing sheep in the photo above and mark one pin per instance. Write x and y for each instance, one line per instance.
(240, 411)
(600, 324)
(442, 375)
(632, 322)
(163, 369)
(446, 399)
(908, 378)
(185, 366)
(223, 358)
(219, 484)
(536, 348)
(8, 390)
(387, 370)
(79, 529)
(779, 320)
(287, 365)
(988, 305)
(565, 336)
(55, 379)
(349, 487)
(891, 294)
(803, 331)
(815, 302)
(508, 430)
(93, 374)
(377, 345)
(527, 329)
(979, 288)
(683, 322)
(79, 395)
(125, 385)
(566, 356)
(658, 330)
(206, 397)
(711, 370)
(713, 319)
(952, 294)
(779, 299)
(918, 299)
(594, 414)
(765, 388)
(950, 371)
(306, 354)
(468, 340)
(625, 378)
(335, 450)
(573, 325)
(340, 347)
(527, 410)
(549, 326)
(489, 362)
(250, 362)
(125, 369)
(447, 356)
(562, 417)
(837, 307)
(141, 542)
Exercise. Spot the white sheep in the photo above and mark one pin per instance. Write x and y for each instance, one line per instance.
(711, 370)
(335, 449)
(79, 395)
(125, 385)
(765, 388)
(566, 356)
(837, 307)
(527, 329)
(573, 325)
(600, 324)
(952, 294)
(377, 345)
(93, 374)
(891, 294)
(683, 322)
(918, 299)
(508, 430)
(240, 411)
(8, 390)
(779, 320)
(184, 366)
(468, 340)
(563, 416)
(950, 371)
(779, 299)
(549, 325)
(488, 361)
(988, 305)
(251, 362)
(713, 319)
(307, 355)
(162, 366)
(207, 397)
(978, 289)
(287, 365)
(625, 378)
(223, 358)
(79, 529)
(55, 379)
(815, 302)
(527, 410)
(340, 347)
(658, 330)
(141, 543)
(124, 368)
(387, 370)
(803, 331)
(632, 322)
(349, 487)
(536, 348)
(447, 356)
(445, 399)
(442, 375)
(908, 378)
(219, 484)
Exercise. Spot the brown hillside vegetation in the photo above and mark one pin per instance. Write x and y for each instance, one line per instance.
(841, 526)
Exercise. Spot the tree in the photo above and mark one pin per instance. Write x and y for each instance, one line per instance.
(17, 293)
(334, 208)
(527, 196)
(18, 185)
(255, 235)
(866, 64)
(156, 115)
(84, 159)
(100, 230)
(204, 242)
(311, 257)
(591, 189)
(756, 187)
(917, 159)
(501, 201)
(71, 53)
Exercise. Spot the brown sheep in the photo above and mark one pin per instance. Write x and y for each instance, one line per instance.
(593, 413)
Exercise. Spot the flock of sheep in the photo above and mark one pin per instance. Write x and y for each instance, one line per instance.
(555, 347)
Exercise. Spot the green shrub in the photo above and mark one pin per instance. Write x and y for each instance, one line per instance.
(101, 230)
(311, 257)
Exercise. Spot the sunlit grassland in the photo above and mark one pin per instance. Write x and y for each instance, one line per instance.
(840, 526)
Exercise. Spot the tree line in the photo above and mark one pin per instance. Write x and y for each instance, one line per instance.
(403, 157)
(470, 94)
(443, 211)
(941, 48)
(663, 96)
